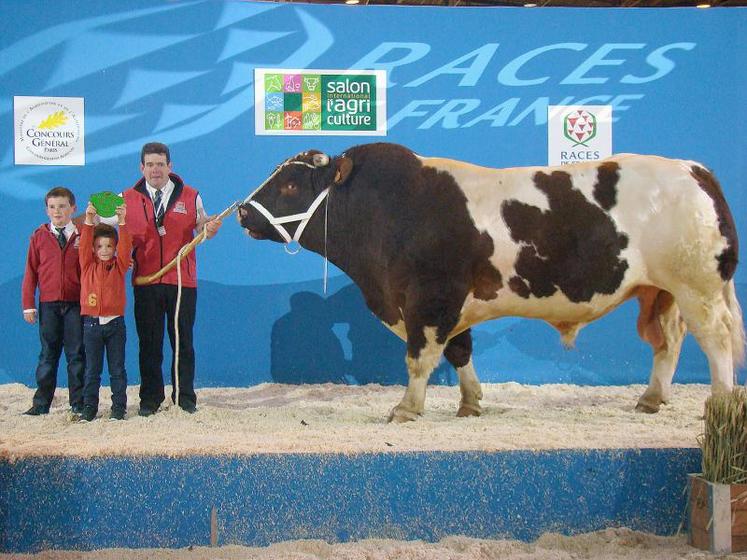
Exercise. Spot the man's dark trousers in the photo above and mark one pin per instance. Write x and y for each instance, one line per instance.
(154, 305)
(59, 328)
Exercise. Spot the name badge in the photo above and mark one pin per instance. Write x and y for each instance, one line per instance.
(180, 208)
(161, 231)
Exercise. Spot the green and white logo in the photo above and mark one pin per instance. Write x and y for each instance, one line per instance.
(341, 102)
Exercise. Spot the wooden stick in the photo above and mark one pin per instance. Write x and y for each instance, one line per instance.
(143, 280)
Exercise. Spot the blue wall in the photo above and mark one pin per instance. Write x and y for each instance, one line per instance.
(182, 73)
(130, 502)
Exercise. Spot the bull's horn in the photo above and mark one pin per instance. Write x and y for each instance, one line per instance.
(320, 160)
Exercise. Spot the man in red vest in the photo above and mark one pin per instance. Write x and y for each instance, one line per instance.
(163, 214)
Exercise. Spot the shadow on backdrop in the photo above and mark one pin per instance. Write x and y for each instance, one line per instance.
(247, 335)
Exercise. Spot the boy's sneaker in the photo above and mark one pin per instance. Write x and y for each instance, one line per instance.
(88, 414)
(117, 414)
(77, 409)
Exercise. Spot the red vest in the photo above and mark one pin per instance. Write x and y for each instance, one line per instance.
(152, 251)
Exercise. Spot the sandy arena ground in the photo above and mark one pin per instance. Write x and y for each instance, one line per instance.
(352, 419)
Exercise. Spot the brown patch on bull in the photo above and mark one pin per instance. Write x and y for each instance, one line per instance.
(605, 189)
(652, 302)
(729, 257)
(486, 278)
(404, 234)
(572, 247)
(459, 349)
(519, 287)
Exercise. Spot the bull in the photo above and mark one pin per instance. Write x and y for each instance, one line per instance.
(438, 245)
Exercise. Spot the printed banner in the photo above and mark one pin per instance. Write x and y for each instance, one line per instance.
(577, 133)
(320, 102)
(49, 130)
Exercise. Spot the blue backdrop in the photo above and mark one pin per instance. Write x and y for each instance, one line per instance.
(471, 84)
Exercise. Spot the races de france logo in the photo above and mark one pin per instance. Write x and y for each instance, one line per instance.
(49, 131)
(579, 127)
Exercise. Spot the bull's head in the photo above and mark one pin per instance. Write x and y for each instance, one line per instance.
(280, 208)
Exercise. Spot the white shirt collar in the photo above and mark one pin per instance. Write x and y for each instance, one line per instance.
(166, 190)
(69, 229)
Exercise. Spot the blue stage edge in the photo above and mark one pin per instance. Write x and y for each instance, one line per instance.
(85, 504)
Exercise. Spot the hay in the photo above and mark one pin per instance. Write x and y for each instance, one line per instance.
(724, 441)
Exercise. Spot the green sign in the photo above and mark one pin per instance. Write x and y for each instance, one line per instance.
(319, 102)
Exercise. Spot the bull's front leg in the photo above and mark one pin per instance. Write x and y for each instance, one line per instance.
(422, 359)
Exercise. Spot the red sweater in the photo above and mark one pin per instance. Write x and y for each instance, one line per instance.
(54, 271)
(102, 283)
(153, 251)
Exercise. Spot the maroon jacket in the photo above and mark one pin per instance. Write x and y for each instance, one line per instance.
(55, 271)
(152, 251)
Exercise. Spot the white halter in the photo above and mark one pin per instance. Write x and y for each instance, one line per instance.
(303, 217)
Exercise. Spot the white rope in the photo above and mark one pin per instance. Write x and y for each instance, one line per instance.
(179, 257)
(326, 213)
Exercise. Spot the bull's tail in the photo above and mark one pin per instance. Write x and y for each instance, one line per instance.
(737, 324)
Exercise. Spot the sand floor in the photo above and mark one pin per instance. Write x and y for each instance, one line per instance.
(352, 419)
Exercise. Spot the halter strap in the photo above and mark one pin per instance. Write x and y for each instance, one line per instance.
(302, 217)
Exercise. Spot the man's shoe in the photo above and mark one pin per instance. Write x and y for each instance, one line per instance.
(88, 414)
(77, 409)
(146, 411)
(189, 408)
(117, 414)
(36, 410)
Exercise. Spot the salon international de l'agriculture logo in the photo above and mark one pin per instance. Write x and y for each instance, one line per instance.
(49, 131)
(320, 102)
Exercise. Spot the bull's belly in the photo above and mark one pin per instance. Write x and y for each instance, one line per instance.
(556, 309)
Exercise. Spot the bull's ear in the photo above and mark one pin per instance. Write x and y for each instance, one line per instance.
(343, 165)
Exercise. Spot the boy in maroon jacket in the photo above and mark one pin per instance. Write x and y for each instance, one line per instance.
(52, 267)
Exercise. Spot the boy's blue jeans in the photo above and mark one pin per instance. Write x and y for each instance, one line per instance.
(97, 338)
(59, 327)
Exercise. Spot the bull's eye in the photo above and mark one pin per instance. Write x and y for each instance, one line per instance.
(288, 189)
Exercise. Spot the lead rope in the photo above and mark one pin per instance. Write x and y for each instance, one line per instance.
(179, 257)
(326, 260)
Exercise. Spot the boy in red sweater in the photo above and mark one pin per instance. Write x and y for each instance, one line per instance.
(104, 261)
(52, 267)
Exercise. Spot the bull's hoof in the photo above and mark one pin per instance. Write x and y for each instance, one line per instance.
(469, 410)
(399, 415)
(647, 407)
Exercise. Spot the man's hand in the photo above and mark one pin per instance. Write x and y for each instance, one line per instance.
(30, 316)
(212, 227)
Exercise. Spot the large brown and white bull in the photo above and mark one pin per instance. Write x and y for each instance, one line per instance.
(438, 245)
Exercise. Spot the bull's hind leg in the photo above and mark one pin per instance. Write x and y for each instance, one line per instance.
(661, 325)
(709, 320)
(459, 354)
